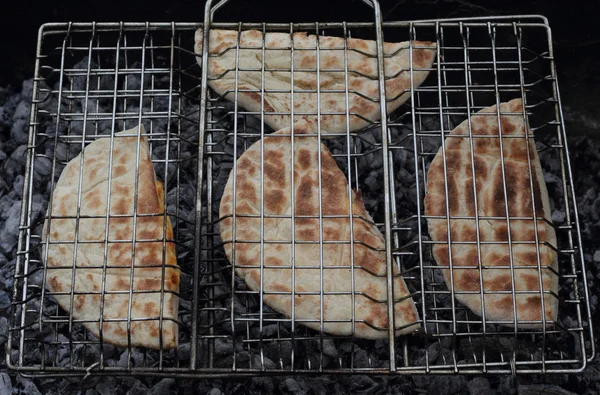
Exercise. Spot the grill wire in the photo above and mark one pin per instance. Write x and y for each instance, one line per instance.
(134, 72)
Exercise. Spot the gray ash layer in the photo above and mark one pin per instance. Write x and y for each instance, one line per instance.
(14, 120)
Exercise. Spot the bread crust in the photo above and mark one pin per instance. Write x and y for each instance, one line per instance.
(368, 252)
(362, 84)
(495, 257)
(147, 280)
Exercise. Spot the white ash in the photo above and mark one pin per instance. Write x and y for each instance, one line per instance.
(5, 384)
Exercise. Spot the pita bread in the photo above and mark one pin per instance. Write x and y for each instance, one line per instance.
(494, 232)
(363, 82)
(370, 307)
(147, 278)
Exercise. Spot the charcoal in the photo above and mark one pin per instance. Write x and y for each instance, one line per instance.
(22, 110)
(404, 177)
(62, 355)
(4, 300)
(280, 352)
(8, 109)
(292, 386)
(399, 386)
(430, 356)
(362, 384)
(37, 278)
(215, 391)
(263, 385)
(14, 355)
(361, 359)
(3, 260)
(223, 347)
(3, 329)
(6, 203)
(558, 216)
(183, 351)
(138, 388)
(6, 387)
(27, 90)
(127, 381)
(61, 151)
(43, 166)
(542, 389)
(15, 164)
(320, 385)
(373, 182)
(347, 347)
(136, 358)
(480, 386)
(18, 185)
(27, 386)
(445, 356)
(77, 129)
(162, 387)
(133, 82)
(222, 177)
(421, 382)
(9, 146)
(19, 131)
(86, 355)
(107, 386)
(257, 361)
(447, 385)
(68, 386)
(79, 82)
(8, 274)
(4, 187)
(506, 386)
(266, 362)
(329, 348)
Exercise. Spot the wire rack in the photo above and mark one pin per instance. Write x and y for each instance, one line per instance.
(94, 79)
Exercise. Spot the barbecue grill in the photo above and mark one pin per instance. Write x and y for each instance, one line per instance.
(94, 79)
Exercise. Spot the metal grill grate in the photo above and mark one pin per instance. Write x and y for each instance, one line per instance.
(93, 79)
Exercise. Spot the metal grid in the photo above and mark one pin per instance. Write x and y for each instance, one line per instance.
(223, 330)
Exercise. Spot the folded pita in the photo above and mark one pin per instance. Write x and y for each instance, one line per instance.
(370, 308)
(362, 84)
(147, 284)
(497, 282)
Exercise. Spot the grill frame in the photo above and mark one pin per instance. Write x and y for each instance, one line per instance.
(197, 365)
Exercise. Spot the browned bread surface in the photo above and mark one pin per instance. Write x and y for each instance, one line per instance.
(149, 262)
(362, 84)
(368, 252)
(495, 254)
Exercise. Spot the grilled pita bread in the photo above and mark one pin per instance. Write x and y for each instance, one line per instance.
(362, 84)
(493, 233)
(147, 284)
(370, 308)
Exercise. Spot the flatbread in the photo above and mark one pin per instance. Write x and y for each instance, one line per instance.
(494, 232)
(363, 82)
(370, 282)
(147, 278)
